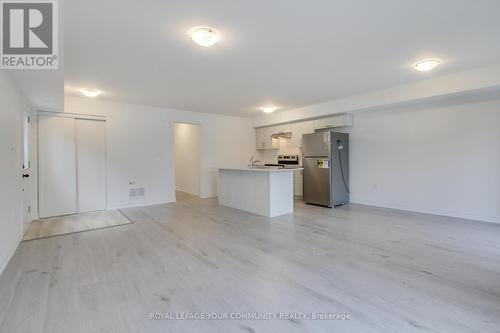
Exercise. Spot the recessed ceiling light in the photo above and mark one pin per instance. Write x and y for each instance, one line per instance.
(204, 36)
(426, 64)
(90, 92)
(268, 108)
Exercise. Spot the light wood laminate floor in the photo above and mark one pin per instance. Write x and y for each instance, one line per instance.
(392, 271)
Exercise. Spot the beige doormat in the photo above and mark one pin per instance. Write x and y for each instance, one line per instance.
(70, 224)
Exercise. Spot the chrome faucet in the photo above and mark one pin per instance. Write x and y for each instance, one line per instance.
(252, 162)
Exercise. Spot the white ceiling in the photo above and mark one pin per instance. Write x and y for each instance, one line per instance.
(286, 52)
(43, 89)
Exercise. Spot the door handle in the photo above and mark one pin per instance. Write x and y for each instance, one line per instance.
(25, 175)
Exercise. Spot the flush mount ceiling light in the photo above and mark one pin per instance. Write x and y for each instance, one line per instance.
(204, 36)
(426, 64)
(268, 108)
(90, 92)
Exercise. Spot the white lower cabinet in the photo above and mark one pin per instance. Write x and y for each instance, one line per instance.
(297, 183)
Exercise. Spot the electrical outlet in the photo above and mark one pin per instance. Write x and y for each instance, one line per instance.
(376, 186)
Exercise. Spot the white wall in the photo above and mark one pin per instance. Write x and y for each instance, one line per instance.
(188, 158)
(140, 147)
(11, 201)
(227, 141)
(441, 159)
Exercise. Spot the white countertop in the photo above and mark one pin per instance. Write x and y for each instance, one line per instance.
(262, 169)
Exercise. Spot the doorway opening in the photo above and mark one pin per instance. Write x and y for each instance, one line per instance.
(187, 141)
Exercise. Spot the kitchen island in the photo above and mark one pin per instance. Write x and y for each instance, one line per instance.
(263, 191)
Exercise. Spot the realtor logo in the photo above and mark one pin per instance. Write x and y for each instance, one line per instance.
(29, 34)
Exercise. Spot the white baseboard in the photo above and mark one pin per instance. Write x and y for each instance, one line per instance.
(207, 196)
(440, 212)
(202, 196)
(139, 204)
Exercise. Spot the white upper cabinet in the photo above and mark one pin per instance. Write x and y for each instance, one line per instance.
(260, 137)
(340, 120)
(265, 141)
(296, 134)
(298, 129)
(286, 128)
(305, 127)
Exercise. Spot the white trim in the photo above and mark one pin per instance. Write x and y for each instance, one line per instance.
(143, 204)
(77, 194)
(208, 196)
(70, 115)
(106, 165)
(40, 108)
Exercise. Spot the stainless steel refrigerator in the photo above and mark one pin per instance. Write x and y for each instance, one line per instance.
(326, 168)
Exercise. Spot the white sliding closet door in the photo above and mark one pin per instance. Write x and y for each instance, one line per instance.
(71, 165)
(91, 164)
(56, 166)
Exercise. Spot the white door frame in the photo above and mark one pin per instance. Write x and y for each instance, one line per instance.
(29, 187)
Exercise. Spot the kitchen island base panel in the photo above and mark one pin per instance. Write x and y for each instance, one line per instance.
(264, 193)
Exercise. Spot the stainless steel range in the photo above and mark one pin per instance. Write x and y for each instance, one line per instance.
(289, 161)
(286, 161)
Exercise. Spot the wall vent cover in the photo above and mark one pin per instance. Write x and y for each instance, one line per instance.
(137, 192)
